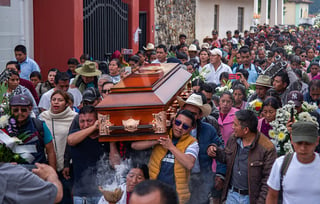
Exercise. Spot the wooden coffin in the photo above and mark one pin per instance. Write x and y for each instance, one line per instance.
(136, 108)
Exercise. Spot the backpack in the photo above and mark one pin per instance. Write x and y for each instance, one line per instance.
(284, 168)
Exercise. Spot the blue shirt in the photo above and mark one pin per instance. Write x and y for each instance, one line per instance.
(28, 66)
(253, 75)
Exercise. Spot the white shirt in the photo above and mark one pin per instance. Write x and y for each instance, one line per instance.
(44, 102)
(300, 183)
(214, 75)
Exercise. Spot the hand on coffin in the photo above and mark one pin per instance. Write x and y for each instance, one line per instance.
(166, 142)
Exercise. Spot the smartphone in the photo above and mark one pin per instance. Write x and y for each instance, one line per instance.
(126, 51)
(234, 76)
(292, 114)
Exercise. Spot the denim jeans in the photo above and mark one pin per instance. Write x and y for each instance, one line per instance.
(85, 200)
(236, 198)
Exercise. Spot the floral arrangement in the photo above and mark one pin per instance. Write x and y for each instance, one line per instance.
(306, 107)
(288, 49)
(227, 87)
(251, 90)
(279, 133)
(200, 75)
(255, 106)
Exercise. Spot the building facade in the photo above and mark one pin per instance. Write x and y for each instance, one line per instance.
(297, 12)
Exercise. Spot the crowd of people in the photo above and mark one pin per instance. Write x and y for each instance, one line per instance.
(220, 146)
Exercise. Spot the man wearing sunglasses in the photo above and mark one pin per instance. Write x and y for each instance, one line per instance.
(202, 175)
(38, 146)
(174, 156)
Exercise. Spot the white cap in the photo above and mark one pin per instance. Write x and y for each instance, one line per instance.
(216, 51)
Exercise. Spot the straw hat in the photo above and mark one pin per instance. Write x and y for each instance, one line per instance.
(150, 46)
(264, 80)
(88, 69)
(207, 38)
(205, 46)
(195, 100)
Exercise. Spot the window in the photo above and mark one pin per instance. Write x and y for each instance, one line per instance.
(4, 2)
(216, 18)
(240, 18)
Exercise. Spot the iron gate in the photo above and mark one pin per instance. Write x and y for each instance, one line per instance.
(105, 27)
(143, 27)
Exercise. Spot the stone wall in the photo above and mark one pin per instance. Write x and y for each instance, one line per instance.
(172, 18)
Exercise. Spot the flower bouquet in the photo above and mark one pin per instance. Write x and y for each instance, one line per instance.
(200, 74)
(255, 106)
(227, 87)
(288, 49)
(251, 90)
(279, 132)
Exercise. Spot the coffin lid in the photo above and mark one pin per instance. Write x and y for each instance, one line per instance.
(153, 85)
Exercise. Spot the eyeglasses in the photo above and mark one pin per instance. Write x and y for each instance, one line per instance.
(22, 110)
(178, 123)
(105, 91)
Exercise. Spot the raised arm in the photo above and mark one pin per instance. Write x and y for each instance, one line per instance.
(77, 137)
(142, 145)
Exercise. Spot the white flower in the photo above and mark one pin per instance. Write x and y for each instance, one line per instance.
(230, 90)
(288, 147)
(251, 91)
(272, 134)
(4, 121)
(305, 116)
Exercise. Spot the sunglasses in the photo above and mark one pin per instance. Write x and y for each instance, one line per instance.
(22, 110)
(105, 91)
(303, 55)
(178, 123)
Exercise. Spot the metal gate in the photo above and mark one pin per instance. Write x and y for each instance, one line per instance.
(105, 27)
(143, 27)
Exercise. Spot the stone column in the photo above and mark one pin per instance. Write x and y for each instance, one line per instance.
(264, 12)
(273, 12)
(280, 11)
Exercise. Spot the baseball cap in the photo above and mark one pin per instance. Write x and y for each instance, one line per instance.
(90, 95)
(304, 131)
(296, 97)
(20, 100)
(216, 51)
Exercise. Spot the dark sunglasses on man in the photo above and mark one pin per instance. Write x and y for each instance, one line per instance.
(179, 122)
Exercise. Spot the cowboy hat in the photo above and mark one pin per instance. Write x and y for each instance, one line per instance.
(263, 80)
(195, 100)
(205, 46)
(88, 69)
(150, 46)
(192, 48)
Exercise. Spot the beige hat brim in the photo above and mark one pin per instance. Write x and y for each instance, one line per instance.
(269, 86)
(146, 49)
(206, 108)
(82, 73)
